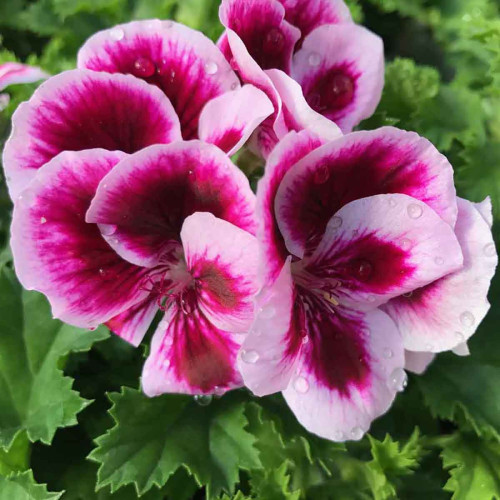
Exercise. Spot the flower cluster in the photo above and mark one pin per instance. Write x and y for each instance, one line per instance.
(354, 260)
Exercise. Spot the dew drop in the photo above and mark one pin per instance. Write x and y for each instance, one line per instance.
(117, 34)
(408, 294)
(338, 436)
(414, 211)
(314, 59)
(398, 380)
(144, 67)
(43, 220)
(322, 174)
(250, 357)
(107, 229)
(357, 433)
(274, 41)
(467, 318)
(301, 385)
(339, 90)
(489, 250)
(335, 222)
(388, 353)
(459, 337)
(234, 85)
(203, 399)
(166, 363)
(405, 244)
(211, 68)
(267, 312)
(363, 269)
(439, 261)
(219, 391)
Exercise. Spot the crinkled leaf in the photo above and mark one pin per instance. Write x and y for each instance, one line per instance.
(35, 396)
(153, 437)
(23, 487)
(16, 458)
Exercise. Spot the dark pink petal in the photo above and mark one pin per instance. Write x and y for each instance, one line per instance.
(292, 148)
(341, 71)
(141, 205)
(12, 73)
(223, 260)
(417, 362)
(447, 312)
(358, 165)
(82, 109)
(310, 14)
(377, 248)
(260, 24)
(131, 325)
(183, 62)
(228, 120)
(348, 372)
(190, 355)
(269, 352)
(57, 253)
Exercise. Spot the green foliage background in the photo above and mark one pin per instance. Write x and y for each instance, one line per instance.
(72, 420)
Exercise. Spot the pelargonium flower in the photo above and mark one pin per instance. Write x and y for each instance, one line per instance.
(114, 238)
(367, 252)
(12, 73)
(178, 85)
(339, 65)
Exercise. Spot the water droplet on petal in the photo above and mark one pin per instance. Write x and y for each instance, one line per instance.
(305, 339)
(211, 68)
(414, 211)
(203, 399)
(322, 174)
(335, 222)
(388, 353)
(338, 436)
(117, 34)
(467, 319)
(405, 244)
(166, 363)
(408, 294)
(398, 380)
(489, 250)
(338, 90)
(219, 391)
(250, 357)
(439, 261)
(234, 85)
(459, 337)
(357, 433)
(43, 220)
(314, 59)
(274, 41)
(363, 269)
(144, 67)
(267, 312)
(301, 385)
(107, 229)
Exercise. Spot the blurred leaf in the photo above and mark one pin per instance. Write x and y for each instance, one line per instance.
(23, 487)
(35, 396)
(153, 437)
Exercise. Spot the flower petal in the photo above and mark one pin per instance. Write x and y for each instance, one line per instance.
(309, 14)
(228, 120)
(190, 355)
(269, 352)
(223, 260)
(292, 148)
(341, 70)
(377, 248)
(131, 325)
(486, 210)
(12, 73)
(141, 205)
(183, 62)
(357, 165)
(447, 312)
(261, 25)
(57, 253)
(348, 374)
(82, 109)
(418, 362)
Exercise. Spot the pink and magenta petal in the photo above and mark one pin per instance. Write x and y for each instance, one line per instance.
(57, 253)
(223, 260)
(141, 205)
(183, 62)
(348, 373)
(82, 109)
(190, 355)
(12, 73)
(418, 362)
(341, 71)
(228, 120)
(447, 312)
(261, 25)
(358, 165)
(378, 248)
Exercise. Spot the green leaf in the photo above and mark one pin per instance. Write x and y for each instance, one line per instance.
(474, 467)
(23, 487)
(16, 458)
(274, 484)
(153, 437)
(35, 396)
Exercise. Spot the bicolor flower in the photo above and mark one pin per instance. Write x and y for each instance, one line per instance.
(115, 238)
(338, 65)
(12, 73)
(176, 85)
(349, 229)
